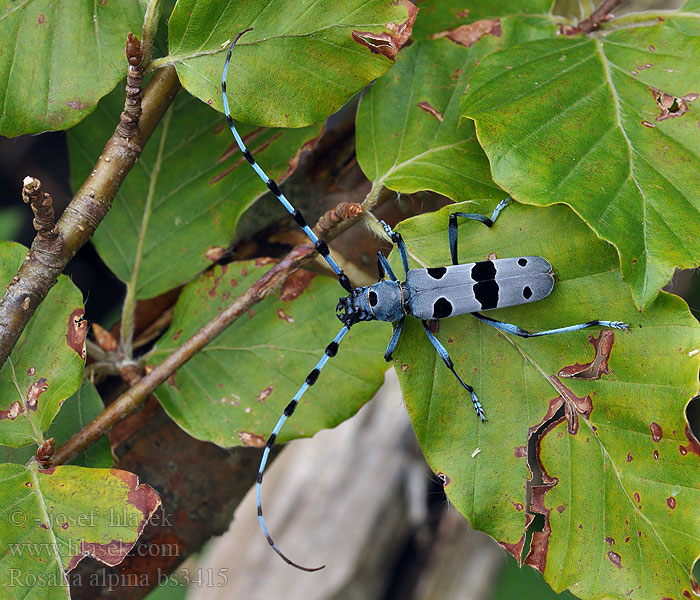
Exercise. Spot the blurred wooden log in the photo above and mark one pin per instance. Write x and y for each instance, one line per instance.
(463, 563)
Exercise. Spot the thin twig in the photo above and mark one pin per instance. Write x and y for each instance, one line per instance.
(598, 16)
(48, 238)
(82, 216)
(131, 400)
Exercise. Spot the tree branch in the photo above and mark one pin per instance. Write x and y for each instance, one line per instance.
(330, 224)
(40, 271)
(598, 16)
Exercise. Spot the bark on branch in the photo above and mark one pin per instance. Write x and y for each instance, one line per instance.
(40, 271)
(598, 16)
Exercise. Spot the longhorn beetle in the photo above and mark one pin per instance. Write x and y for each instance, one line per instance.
(426, 294)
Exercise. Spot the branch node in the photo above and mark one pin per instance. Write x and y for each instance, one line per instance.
(602, 14)
(48, 239)
(129, 119)
(45, 452)
(342, 212)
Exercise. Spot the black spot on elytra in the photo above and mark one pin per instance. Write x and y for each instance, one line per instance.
(442, 308)
(484, 271)
(522, 262)
(437, 272)
(373, 298)
(527, 292)
(486, 292)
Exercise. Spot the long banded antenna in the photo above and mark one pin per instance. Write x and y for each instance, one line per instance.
(331, 351)
(320, 245)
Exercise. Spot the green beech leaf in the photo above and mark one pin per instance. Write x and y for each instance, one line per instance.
(52, 519)
(76, 411)
(299, 63)
(177, 210)
(234, 390)
(59, 59)
(410, 133)
(438, 16)
(46, 365)
(608, 126)
(620, 465)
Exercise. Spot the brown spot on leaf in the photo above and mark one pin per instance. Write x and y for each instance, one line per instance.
(468, 35)
(671, 502)
(651, 48)
(388, 44)
(40, 19)
(444, 478)
(295, 285)
(693, 446)
(520, 451)
(76, 105)
(602, 346)
(144, 498)
(262, 396)
(537, 556)
(518, 506)
(671, 106)
(15, 409)
(404, 367)
(656, 454)
(610, 541)
(516, 548)
(656, 432)
(284, 316)
(35, 390)
(427, 107)
(177, 334)
(31, 371)
(573, 405)
(636, 497)
(77, 330)
(648, 124)
(462, 14)
(629, 457)
(615, 559)
(251, 439)
(214, 253)
(561, 508)
(171, 381)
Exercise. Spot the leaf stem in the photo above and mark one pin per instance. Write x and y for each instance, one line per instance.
(127, 321)
(148, 32)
